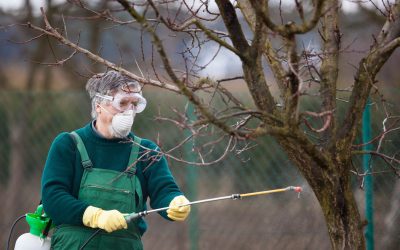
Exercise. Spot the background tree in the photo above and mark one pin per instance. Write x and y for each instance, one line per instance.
(320, 140)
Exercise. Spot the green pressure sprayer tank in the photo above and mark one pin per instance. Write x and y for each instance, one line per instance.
(35, 240)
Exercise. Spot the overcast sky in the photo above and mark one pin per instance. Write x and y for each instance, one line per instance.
(348, 5)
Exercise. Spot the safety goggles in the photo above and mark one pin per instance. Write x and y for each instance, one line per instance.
(126, 101)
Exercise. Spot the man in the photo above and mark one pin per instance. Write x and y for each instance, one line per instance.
(98, 173)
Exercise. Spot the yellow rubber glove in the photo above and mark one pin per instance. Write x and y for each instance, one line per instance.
(109, 220)
(178, 213)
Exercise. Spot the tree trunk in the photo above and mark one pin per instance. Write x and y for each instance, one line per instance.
(332, 188)
(341, 213)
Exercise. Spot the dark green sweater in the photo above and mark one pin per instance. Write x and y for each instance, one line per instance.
(63, 172)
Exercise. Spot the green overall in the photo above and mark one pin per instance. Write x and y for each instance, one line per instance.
(106, 189)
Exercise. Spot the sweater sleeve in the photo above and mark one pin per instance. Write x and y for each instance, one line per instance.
(57, 183)
(161, 185)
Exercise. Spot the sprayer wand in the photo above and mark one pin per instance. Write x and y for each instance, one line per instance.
(134, 216)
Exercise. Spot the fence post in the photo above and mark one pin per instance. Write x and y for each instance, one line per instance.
(368, 181)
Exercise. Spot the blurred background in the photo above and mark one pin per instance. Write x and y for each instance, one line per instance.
(40, 98)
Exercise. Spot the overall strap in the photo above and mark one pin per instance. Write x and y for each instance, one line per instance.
(134, 154)
(86, 162)
(131, 170)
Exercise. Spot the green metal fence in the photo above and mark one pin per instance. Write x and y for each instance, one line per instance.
(30, 121)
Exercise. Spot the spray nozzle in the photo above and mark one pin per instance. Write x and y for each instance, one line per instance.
(298, 189)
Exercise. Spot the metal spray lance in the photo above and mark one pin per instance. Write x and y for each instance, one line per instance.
(134, 216)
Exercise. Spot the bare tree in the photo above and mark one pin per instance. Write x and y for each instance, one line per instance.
(319, 142)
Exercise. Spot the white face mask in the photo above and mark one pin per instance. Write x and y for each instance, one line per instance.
(121, 123)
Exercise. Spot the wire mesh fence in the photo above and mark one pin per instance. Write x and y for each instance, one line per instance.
(30, 121)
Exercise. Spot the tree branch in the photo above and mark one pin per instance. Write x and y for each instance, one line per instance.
(292, 93)
(328, 120)
(270, 54)
(369, 67)
(391, 28)
(290, 28)
(210, 34)
(387, 158)
(251, 56)
(233, 26)
(50, 31)
(329, 70)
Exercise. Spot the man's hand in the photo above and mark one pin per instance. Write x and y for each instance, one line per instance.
(109, 220)
(178, 213)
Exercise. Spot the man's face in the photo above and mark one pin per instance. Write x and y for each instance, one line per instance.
(127, 98)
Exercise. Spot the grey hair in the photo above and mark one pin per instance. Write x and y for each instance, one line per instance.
(107, 83)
